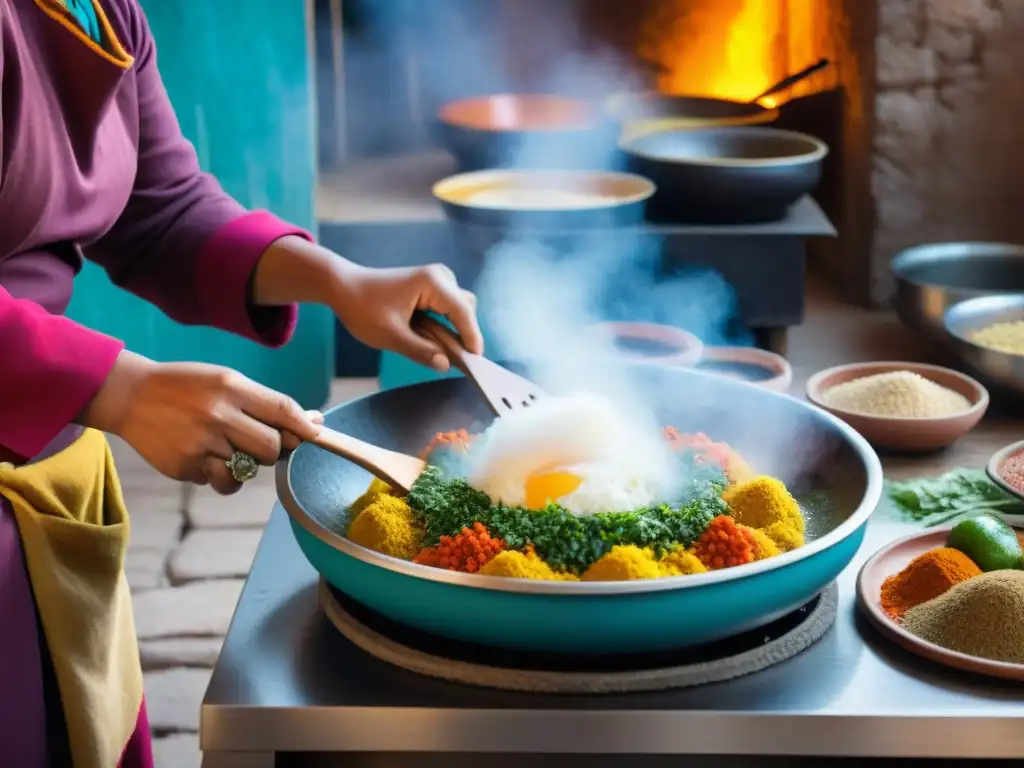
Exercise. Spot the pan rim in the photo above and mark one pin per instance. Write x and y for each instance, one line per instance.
(593, 121)
(857, 519)
(817, 153)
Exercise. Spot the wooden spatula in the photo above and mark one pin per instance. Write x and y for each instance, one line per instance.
(503, 390)
(396, 469)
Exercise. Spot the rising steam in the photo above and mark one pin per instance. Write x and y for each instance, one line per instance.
(539, 299)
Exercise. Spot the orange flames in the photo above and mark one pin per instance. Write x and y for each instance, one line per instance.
(736, 49)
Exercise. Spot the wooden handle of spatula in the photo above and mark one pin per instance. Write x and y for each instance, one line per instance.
(396, 469)
(447, 339)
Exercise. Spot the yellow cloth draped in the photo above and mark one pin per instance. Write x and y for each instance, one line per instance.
(74, 530)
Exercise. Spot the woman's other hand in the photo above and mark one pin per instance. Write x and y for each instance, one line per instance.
(377, 306)
(186, 419)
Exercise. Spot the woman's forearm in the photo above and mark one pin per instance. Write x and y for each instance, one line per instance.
(52, 367)
(295, 271)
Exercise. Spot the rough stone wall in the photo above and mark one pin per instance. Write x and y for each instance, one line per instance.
(948, 159)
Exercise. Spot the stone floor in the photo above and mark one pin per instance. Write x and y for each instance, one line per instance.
(189, 554)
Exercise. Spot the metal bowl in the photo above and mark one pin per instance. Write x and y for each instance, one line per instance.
(932, 278)
(824, 462)
(966, 317)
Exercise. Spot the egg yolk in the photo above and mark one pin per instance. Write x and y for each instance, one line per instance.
(544, 487)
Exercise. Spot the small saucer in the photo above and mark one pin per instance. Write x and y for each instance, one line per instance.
(749, 364)
(653, 343)
(891, 560)
(897, 433)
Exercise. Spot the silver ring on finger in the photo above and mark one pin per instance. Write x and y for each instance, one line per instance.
(243, 466)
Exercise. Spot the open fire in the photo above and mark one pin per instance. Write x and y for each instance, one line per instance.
(736, 49)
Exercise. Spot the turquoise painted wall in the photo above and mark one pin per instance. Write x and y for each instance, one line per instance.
(239, 74)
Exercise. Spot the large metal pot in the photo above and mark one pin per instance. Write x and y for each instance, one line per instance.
(817, 455)
(931, 278)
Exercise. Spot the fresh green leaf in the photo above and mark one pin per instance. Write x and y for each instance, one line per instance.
(954, 493)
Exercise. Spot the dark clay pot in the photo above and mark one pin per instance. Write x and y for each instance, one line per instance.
(726, 175)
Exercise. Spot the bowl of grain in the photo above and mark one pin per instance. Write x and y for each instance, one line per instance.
(901, 406)
(987, 334)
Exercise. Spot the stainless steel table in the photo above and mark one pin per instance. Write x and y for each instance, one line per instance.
(289, 690)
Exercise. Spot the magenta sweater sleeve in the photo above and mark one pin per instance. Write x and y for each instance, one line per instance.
(58, 365)
(182, 243)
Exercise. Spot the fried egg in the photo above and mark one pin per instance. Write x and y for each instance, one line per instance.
(579, 451)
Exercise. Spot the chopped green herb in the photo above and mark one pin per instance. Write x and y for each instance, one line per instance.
(937, 500)
(564, 540)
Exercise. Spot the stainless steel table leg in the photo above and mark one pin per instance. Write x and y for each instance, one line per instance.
(238, 760)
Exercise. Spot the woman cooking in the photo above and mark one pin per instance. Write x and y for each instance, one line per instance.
(93, 165)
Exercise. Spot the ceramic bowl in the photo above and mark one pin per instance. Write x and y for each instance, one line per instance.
(904, 434)
(994, 466)
(750, 364)
(653, 344)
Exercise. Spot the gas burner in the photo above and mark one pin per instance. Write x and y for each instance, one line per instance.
(470, 664)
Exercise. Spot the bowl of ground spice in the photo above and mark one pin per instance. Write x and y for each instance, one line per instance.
(899, 405)
(1006, 469)
(936, 602)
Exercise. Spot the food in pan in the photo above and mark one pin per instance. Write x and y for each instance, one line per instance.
(1005, 337)
(572, 489)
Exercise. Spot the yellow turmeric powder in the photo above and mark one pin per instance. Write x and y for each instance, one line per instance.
(523, 565)
(765, 504)
(680, 562)
(377, 487)
(624, 563)
(765, 547)
(786, 536)
(387, 526)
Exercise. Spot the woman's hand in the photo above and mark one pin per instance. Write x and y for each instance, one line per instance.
(377, 305)
(186, 419)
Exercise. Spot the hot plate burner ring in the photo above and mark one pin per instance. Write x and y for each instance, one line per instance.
(467, 664)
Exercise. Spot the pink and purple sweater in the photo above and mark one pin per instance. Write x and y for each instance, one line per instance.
(93, 164)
